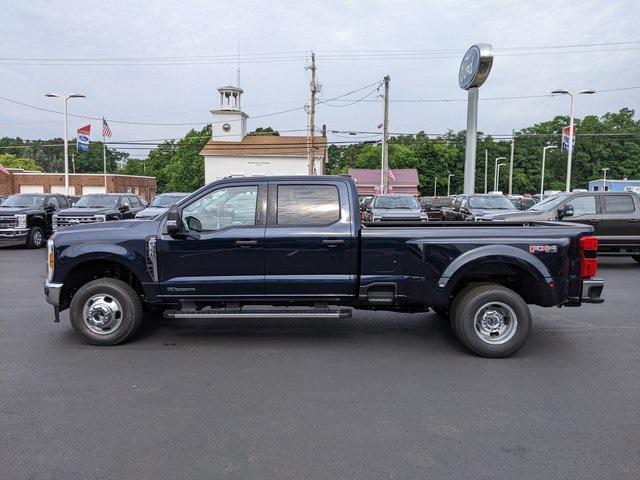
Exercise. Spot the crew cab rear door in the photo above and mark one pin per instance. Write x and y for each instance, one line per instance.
(310, 242)
(621, 224)
(220, 255)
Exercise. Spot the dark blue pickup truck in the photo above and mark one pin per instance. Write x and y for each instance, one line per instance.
(297, 244)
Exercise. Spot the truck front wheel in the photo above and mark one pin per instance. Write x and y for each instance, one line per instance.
(35, 238)
(491, 320)
(105, 311)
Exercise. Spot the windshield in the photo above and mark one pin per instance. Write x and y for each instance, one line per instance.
(33, 201)
(166, 200)
(407, 202)
(97, 201)
(548, 203)
(492, 202)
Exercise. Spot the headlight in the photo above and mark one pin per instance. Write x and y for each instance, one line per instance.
(22, 220)
(51, 260)
(54, 221)
(100, 218)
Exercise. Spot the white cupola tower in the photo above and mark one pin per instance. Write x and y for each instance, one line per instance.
(229, 121)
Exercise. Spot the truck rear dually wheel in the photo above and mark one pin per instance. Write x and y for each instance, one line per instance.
(105, 311)
(491, 320)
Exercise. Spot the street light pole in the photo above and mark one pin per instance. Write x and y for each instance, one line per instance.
(449, 183)
(572, 94)
(604, 179)
(544, 154)
(435, 187)
(66, 139)
(495, 173)
(486, 164)
(498, 175)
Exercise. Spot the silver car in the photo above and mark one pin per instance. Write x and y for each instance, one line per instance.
(396, 208)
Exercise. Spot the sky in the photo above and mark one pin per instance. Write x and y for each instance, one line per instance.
(162, 61)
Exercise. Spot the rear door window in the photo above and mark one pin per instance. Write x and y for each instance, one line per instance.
(618, 204)
(308, 205)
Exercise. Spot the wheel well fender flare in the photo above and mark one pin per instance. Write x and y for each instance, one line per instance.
(492, 253)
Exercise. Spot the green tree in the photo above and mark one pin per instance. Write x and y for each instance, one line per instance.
(9, 160)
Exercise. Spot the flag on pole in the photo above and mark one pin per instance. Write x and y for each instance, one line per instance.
(83, 138)
(391, 175)
(106, 131)
(565, 139)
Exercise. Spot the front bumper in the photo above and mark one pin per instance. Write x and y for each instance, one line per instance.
(592, 290)
(52, 292)
(13, 236)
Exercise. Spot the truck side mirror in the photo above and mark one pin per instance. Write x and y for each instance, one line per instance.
(565, 211)
(172, 224)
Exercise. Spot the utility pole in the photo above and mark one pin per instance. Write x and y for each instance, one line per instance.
(104, 162)
(313, 86)
(323, 169)
(73, 162)
(513, 147)
(435, 187)
(385, 135)
(486, 166)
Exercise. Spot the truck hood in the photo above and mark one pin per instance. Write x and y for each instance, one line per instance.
(100, 230)
(396, 212)
(87, 211)
(151, 212)
(18, 210)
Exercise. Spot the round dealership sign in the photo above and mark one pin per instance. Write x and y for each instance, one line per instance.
(475, 66)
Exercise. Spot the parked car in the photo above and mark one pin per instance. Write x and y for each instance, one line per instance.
(99, 207)
(615, 216)
(26, 218)
(239, 244)
(434, 206)
(395, 207)
(72, 199)
(476, 206)
(521, 202)
(159, 204)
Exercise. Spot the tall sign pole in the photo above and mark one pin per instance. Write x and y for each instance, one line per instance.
(513, 146)
(313, 86)
(474, 70)
(385, 136)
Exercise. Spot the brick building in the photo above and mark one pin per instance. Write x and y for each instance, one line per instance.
(401, 180)
(15, 180)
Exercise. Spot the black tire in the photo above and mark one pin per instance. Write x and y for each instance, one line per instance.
(636, 258)
(492, 298)
(126, 306)
(35, 238)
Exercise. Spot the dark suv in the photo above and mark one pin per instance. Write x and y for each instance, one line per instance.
(26, 218)
(476, 207)
(615, 217)
(99, 207)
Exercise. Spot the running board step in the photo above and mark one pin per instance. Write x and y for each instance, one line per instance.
(268, 314)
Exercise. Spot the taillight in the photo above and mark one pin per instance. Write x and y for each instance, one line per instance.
(588, 257)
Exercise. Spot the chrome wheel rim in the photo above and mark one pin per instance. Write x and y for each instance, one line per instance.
(102, 314)
(37, 238)
(495, 323)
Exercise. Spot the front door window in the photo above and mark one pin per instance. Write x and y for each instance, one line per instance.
(222, 208)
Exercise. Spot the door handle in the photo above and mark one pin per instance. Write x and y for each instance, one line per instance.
(246, 243)
(333, 242)
(634, 220)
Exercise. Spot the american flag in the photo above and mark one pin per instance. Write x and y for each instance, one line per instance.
(106, 131)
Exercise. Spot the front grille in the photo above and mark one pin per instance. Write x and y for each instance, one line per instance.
(8, 221)
(68, 221)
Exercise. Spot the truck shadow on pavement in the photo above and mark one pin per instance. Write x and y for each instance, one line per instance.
(427, 326)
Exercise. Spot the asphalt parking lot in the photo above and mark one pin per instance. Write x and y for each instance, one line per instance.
(378, 396)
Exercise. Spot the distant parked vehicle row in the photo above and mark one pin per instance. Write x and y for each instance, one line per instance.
(475, 207)
(434, 206)
(160, 204)
(394, 207)
(99, 207)
(26, 218)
